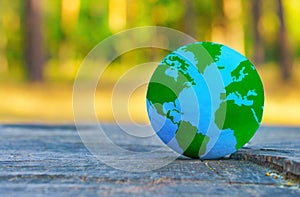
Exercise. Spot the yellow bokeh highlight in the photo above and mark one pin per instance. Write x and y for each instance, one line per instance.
(117, 15)
(292, 14)
(69, 14)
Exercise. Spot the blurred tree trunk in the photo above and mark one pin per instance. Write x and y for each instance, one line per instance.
(259, 52)
(34, 54)
(284, 47)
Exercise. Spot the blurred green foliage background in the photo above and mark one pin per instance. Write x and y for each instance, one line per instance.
(266, 31)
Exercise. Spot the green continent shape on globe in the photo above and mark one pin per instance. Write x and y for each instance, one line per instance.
(163, 89)
(169, 88)
(182, 69)
(205, 53)
(246, 85)
(192, 142)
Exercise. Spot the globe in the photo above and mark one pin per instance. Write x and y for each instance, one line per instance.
(205, 100)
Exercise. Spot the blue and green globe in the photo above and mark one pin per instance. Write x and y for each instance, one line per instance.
(205, 100)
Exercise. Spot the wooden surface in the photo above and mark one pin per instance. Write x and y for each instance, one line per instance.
(41, 160)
